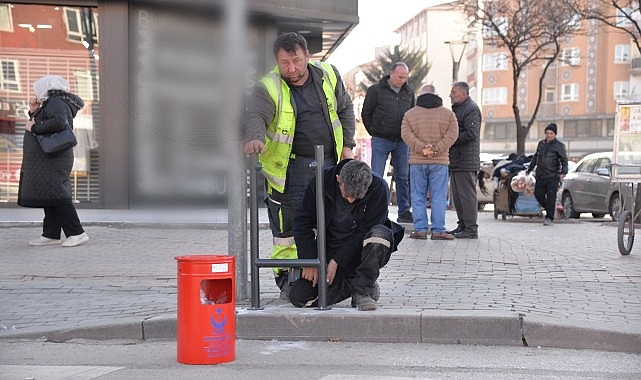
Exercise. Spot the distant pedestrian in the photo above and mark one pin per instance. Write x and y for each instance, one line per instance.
(465, 162)
(383, 108)
(550, 163)
(44, 180)
(359, 239)
(429, 129)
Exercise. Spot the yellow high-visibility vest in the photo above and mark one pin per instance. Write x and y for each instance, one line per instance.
(280, 132)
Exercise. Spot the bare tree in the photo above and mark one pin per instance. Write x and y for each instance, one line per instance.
(531, 32)
(623, 15)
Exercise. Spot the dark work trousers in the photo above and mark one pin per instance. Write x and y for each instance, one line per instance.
(545, 193)
(463, 185)
(375, 253)
(60, 217)
(282, 206)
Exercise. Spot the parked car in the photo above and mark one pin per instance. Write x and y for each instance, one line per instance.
(588, 189)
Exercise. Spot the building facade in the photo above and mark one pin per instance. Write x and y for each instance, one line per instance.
(163, 83)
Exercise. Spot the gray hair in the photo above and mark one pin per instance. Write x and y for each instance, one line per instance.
(356, 176)
(463, 85)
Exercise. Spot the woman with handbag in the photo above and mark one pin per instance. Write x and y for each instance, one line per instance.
(45, 177)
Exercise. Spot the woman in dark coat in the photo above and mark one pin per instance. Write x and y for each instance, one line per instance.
(44, 180)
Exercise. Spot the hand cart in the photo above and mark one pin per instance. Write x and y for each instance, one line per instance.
(510, 202)
(626, 170)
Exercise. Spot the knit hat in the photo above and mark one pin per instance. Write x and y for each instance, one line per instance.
(551, 127)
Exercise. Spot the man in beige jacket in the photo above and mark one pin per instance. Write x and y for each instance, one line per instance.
(429, 129)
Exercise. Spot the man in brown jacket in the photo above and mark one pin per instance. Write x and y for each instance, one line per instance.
(429, 129)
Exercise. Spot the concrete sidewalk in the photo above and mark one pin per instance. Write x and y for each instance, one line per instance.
(519, 284)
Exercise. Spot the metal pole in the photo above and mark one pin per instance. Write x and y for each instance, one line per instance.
(253, 232)
(320, 230)
(237, 172)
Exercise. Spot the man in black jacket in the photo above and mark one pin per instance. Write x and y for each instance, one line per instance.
(358, 243)
(383, 108)
(551, 162)
(465, 162)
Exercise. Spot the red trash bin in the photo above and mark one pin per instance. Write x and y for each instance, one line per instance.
(206, 331)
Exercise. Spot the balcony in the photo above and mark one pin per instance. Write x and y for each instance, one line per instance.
(635, 66)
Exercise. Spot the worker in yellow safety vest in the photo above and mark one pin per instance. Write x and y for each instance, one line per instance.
(293, 108)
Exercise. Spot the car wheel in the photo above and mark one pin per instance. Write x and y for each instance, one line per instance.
(568, 207)
(597, 215)
(615, 207)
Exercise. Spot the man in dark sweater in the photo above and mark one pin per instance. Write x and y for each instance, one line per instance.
(551, 163)
(358, 240)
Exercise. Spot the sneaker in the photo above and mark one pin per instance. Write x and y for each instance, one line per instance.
(442, 236)
(459, 228)
(466, 234)
(405, 217)
(44, 241)
(421, 235)
(548, 222)
(76, 240)
(363, 303)
(375, 294)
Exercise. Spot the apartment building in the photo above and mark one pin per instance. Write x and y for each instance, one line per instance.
(598, 67)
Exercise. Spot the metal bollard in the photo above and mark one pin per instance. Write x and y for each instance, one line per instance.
(257, 262)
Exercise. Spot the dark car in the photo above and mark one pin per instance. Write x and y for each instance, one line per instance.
(588, 189)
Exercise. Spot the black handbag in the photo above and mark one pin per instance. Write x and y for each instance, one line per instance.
(54, 143)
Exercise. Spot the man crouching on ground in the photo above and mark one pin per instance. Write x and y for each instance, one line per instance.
(358, 242)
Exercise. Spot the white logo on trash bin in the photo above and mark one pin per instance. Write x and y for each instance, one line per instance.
(219, 343)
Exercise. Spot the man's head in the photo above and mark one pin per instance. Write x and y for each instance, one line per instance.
(354, 180)
(398, 75)
(428, 89)
(292, 57)
(460, 92)
(550, 132)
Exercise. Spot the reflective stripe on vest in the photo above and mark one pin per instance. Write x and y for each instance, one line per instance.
(279, 136)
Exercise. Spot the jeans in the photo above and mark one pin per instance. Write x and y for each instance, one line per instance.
(381, 148)
(434, 178)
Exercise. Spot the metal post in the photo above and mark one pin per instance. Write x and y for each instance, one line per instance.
(253, 232)
(320, 230)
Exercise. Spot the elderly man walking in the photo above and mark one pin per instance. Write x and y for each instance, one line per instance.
(429, 129)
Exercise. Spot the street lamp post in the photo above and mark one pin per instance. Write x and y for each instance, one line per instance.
(456, 49)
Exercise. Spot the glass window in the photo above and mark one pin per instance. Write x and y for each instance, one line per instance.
(622, 53)
(499, 131)
(549, 95)
(621, 90)
(6, 24)
(610, 127)
(571, 57)
(9, 80)
(586, 166)
(490, 29)
(602, 163)
(625, 16)
(497, 61)
(570, 129)
(494, 95)
(73, 21)
(570, 92)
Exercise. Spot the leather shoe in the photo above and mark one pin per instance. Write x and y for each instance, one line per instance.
(421, 235)
(466, 234)
(442, 236)
(459, 228)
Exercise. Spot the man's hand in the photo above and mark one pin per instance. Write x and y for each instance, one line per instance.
(427, 151)
(310, 274)
(331, 271)
(28, 125)
(254, 146)
(347, 153)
